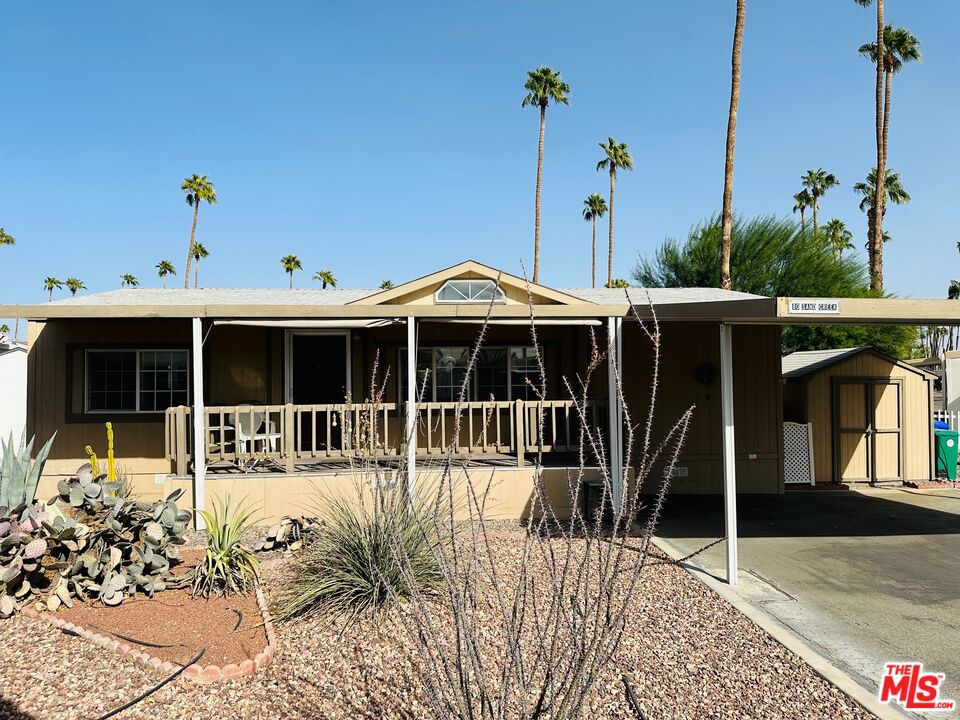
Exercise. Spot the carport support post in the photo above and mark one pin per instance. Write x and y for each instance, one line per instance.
(729, 450)
(615, 413)
(199, 439)
(411, 404)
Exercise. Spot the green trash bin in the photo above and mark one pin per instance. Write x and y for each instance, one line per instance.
(946, 441)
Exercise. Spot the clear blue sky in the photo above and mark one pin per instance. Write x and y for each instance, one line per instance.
(383, 140)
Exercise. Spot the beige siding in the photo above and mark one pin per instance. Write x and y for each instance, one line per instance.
(916, 416)
(685, 347)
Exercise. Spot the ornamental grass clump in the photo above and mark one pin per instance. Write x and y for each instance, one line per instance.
(227, 567)
(351, 565)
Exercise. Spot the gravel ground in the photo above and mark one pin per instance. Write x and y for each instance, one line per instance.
(691, 656)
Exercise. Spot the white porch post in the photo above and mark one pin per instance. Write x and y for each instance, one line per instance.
(411, 404)
(729, 450)
(199, 433)
(615, 413)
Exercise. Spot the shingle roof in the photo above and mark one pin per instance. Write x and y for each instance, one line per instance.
(216, 296)
(659, 296)
(313, 296)
(803, 363)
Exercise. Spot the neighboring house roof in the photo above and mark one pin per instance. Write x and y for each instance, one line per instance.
(806, 362)
(11, 347)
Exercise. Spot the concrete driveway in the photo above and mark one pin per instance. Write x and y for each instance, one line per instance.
(864, 576)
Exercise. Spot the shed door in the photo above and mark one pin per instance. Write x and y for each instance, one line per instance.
(868, 428)
(886, 431)
(852, 432)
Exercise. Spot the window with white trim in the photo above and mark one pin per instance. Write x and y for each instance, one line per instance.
(469, 291)
(500, 373)
(136, 380)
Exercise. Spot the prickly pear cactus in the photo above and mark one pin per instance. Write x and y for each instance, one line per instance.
(91, 545)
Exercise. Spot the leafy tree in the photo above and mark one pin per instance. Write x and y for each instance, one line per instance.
(726, 214)
(50, 284)
(199, 253)
(164, 268)
(801, 201)
(386, 285)
(543, 85)
(817, 182)
(771, 256)
(896, 46)
(838, 237)
(291, 263)
(893, 191)
(617, 157)
(128, 280)
(198, 189)
(594, 207)
(6, 238)
(326, 277)
(73, 284)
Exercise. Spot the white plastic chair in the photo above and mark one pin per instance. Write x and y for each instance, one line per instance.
(248, 427)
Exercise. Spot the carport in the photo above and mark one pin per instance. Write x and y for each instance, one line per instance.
(803, 311)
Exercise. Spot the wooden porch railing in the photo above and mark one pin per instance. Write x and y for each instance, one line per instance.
(305, 433)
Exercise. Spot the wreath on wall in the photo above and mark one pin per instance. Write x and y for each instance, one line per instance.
(706, 375)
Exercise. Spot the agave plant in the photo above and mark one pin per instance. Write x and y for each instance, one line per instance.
(19, 474)
(228, 567)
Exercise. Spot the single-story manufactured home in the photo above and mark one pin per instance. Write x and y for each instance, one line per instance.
(263, 392)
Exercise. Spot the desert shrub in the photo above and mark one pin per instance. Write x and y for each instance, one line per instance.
(351, 567)
(19, 474)
(227, 567)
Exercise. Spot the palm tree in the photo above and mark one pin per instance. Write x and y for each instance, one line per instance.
(727, 213)
(899, 46)
(164, 268)
(618, 283)
(199, 252)
(893, 191)
(801, 201)
(818, 182)
(6, 238)
(128, 280)
(876, 238)
(291, 263)
(50, 284)
(386, 285)
(4, 331)
(838, 237)
(594, 207)
(543, 85)
(326, 277)
(617, 157)
(73, 284)
(198, 190)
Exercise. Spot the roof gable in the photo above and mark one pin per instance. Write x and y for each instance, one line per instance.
(421, 290)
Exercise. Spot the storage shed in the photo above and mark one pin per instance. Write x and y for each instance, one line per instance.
(871, 414)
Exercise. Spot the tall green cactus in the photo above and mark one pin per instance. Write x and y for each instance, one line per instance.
(19, 475)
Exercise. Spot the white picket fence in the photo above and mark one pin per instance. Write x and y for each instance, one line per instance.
(951, 418)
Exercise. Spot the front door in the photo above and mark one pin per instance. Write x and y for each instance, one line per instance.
(868, 428)
(318, 376)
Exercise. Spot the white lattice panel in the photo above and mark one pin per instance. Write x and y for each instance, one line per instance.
(797, 454)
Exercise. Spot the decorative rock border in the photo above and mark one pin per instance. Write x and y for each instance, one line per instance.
(196, 672)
